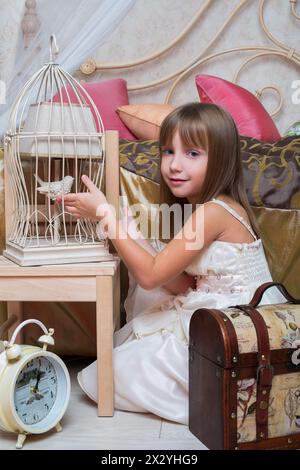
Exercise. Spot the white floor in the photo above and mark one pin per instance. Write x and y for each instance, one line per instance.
(83, 429)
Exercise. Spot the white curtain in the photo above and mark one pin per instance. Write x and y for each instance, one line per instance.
(80, 27)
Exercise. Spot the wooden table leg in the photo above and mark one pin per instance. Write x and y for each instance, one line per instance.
(117, 298)
(15, 309)
(104, 322)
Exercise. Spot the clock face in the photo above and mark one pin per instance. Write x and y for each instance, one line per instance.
(35, 390)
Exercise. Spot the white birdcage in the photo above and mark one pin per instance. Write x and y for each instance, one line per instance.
(55, 136)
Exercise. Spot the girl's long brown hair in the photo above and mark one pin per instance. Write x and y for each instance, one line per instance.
(210, 127)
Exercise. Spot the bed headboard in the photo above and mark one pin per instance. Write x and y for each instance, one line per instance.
(206, 43)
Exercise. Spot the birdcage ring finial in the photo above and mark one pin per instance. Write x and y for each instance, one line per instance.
(54, 50)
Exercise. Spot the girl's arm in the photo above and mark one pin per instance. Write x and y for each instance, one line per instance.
(181, 283)
(149, 271)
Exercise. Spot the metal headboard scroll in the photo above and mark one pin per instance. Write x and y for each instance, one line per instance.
(280, 50)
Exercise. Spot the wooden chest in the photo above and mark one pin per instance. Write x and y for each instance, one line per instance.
(244, 375)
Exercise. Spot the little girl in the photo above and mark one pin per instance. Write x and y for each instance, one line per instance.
(200, 165)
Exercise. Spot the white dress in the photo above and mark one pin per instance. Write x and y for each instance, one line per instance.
(150, 355)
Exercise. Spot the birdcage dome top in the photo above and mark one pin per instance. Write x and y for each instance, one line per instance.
(51, 94)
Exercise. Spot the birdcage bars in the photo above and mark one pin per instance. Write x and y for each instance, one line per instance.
(55, 136)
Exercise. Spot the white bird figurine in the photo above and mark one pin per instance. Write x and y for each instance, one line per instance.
(55, 188)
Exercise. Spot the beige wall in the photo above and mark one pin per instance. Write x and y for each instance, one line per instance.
(151, 24)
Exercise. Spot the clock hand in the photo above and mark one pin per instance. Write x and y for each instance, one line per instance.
(39, 396)
(31, 399)
(35, 389)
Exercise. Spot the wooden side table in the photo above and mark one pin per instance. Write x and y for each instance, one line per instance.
(82, 282)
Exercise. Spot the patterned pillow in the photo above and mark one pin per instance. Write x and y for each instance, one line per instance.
(141, 158)
(271, 170)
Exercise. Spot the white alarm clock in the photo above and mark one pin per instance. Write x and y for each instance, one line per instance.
(34, 386)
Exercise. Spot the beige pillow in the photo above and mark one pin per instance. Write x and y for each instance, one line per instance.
(144, 120)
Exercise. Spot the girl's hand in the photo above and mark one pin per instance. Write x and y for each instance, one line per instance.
(86, 204)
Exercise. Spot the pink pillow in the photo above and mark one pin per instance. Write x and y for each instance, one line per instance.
(107, 96)
(250, 116)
